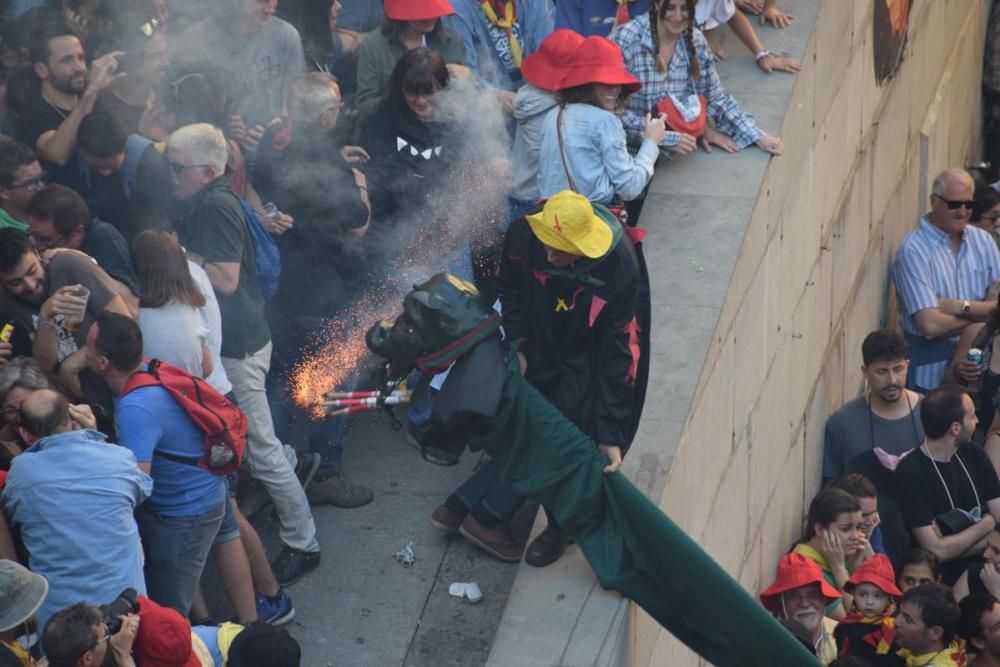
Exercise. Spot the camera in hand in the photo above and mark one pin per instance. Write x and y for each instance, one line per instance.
(125, 603)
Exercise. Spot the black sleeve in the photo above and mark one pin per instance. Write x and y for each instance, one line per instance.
(976, 458)
(619, 356)
(513, 265)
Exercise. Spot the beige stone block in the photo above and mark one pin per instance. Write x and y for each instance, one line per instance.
(673, 502)
(777, 321)
(750, 331)
(748, 263)
(891, 150)
(725, 534)
(863, 18)
(709, 449)
(819, 409)
(851, 233)
(833, 156)
(768, 436)
(670, 651)
(750, 576)
(835, 20)
(782, 519)
(833, 370)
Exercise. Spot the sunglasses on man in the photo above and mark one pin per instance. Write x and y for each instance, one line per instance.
(955, 204)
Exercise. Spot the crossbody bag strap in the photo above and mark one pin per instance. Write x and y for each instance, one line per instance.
(562, 150)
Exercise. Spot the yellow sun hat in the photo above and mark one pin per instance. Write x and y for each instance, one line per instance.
(568, 222)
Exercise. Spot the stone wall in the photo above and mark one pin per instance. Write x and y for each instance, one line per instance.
(809, 282)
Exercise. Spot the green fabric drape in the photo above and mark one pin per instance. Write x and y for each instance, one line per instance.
(633, 547)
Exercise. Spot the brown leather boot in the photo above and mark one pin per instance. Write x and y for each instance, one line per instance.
(495, 541)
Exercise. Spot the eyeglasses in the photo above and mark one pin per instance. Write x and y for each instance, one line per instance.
(177, 167)
(43, 242)
(955, 204)
(105, 638)
(36, 183)
(991, 216)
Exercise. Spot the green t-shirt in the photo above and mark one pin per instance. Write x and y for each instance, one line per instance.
(213, 225)
(6, 220)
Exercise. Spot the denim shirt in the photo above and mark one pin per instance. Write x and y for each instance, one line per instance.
(596, 156)
(72, 496)
(534, 22)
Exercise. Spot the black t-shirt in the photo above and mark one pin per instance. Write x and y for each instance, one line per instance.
(106, 197)
(322, 262)
(213, 225)
(106, 245)
(922, 496)
(37, 118)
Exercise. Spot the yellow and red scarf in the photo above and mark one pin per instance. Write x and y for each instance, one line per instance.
(952, 656)
(506, 24)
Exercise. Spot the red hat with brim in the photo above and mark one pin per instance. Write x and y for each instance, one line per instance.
(417, 10)
(599, 60)
(878, 572)
(163, 638)
(556, 55)
(796, 571)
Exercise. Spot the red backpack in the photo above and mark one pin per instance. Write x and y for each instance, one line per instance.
(224, 424)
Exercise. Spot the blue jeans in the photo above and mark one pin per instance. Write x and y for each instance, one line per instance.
(176, 548)
(485, 489)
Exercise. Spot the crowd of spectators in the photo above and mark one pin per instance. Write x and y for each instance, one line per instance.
(156, 156)
(911, 468)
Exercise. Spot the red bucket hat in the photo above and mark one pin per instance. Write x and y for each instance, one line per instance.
(556, 55)
(599, 60)
(417, 10)
(877, 571)
(796, 571)
(164, 637)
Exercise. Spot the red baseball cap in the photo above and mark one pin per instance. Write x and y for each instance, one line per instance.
(417, 10)
(556, 55)
(599, 60)
(164, 637)
(796, 571)
(877, 571)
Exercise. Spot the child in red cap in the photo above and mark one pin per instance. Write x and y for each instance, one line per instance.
(868, 631)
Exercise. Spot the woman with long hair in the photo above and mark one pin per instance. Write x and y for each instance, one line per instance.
(408, 25)
(835, 540)
(672, 60)
(583, 144)
(174, 327)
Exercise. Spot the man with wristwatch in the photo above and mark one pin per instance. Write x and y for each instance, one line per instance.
(945, 272)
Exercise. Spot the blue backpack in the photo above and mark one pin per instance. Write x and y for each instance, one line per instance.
(134, 148)
(267, 258)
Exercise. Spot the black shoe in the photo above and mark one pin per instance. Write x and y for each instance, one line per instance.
(307, 467)
(547, 548)
(292, 564)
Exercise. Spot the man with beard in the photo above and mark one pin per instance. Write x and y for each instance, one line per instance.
(945, 272)
(123, 177)
(948, 489)
(46, 295)
(305, 172)
(926, 624)
(886, 416)
(49, 121)
(800, 593)
(980, 628)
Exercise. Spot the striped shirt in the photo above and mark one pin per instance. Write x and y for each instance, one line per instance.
(925, 270)
(636, 43)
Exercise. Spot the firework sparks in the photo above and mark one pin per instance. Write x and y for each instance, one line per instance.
(335, 353)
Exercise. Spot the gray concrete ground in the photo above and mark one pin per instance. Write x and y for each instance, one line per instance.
(361, 607)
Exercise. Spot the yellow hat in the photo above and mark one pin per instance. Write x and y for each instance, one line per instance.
(569, 223)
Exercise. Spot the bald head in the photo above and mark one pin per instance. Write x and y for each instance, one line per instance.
(43, 412)
(951, 201)
(951, 178)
